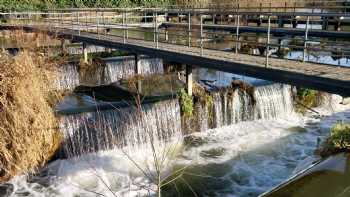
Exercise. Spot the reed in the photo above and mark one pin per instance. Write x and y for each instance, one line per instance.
(28, 126)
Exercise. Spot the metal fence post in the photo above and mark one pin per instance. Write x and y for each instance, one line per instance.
(126, 25)
(86, 22)
(268, 42)
(201, 35)
(237, 34)
(157, 35)
(98, 23)
(124, 32)
(154, 27)
(306, 38)
(78, 23)
(189, 29)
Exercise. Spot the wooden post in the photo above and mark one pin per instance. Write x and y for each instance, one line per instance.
(237, 35)
(189, 79)
(85, 52)
(189, 29)
(306, 38)
(201, 35)
(268, 42)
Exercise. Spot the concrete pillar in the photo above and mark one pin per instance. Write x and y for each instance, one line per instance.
(280, 22)
(189, 79)
(166, 34)
(294, 22)
(85, 52)
(337, 24)
(324, 23)
(137, 66)
(138, 72)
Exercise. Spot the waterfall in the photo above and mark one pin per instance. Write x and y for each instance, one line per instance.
(269, 101)
(103, 130)
(124, 67)
(67, 78)
(116, 68)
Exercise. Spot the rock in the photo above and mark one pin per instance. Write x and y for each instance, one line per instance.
(6, 189)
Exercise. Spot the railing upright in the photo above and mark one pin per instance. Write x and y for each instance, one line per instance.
(306, 38)
(154, 27)
(201, 20)
(268, 42)
(124, 32)
(237, 34)
(98, 23)
(78, 22)
(157, 35)
(189, 29)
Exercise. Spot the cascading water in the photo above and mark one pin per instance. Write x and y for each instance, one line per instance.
(68, 77)
(268, 101)
(126, 127)
(122, 68)
(116, 68)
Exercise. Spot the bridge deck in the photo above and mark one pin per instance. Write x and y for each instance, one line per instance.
(310, 75)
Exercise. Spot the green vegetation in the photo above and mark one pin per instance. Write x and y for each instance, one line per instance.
(186, 102)
(306, 98)
(20, 5)
(338, 141)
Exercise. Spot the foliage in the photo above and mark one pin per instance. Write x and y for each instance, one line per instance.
(186, 102)
(307, 98)
(338, 141)
(21, 5)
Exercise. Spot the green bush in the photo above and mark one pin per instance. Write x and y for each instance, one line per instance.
(186, 102)
(338, 141)
(340, 136)
(22, 5)
(306, 98)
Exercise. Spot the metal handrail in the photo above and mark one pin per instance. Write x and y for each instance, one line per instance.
(95, 26)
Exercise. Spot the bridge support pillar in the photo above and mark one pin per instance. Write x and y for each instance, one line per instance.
(294, 22)
(85, 52)
(337, 24)
(189, 79)
(324, 23)
(63, 46)
(280, 22)
(138, 72)
(166, 34)
(137, 66)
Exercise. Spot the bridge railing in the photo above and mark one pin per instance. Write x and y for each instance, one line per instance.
(133, 24)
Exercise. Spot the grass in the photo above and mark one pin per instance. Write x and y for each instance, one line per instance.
(28, 126)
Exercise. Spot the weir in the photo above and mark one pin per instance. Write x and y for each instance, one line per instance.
(162, 121)
(112, 69)
(133, 127)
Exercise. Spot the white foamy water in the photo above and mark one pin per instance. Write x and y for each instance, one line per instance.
(254, 156)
